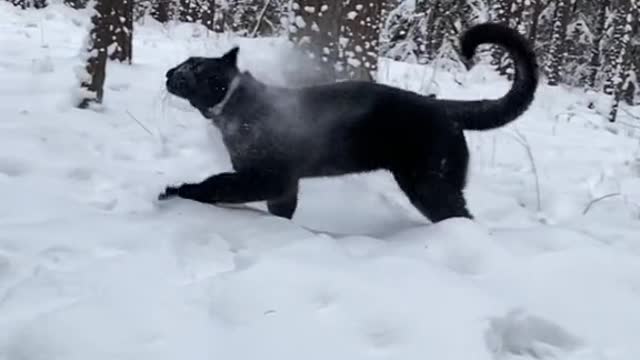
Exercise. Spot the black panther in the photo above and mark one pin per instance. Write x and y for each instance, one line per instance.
(277, 136)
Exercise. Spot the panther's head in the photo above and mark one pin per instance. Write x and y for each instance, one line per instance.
(203, 81)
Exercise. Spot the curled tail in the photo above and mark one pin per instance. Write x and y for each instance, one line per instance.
(491, 114)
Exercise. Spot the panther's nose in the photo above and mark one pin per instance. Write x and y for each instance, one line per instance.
(179, 82)
(170, 73)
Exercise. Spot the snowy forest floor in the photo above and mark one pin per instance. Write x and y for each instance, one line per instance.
(93, 267)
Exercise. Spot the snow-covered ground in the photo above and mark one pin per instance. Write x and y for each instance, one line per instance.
(93, 267)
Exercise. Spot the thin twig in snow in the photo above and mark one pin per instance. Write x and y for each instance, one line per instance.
(596, 200)
(493, 152)
(139, 123)
(633, 116)
(522, 140)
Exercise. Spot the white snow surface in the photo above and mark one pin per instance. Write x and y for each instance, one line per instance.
(92, 266)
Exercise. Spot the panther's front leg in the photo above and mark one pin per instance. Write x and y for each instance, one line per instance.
(234, 188)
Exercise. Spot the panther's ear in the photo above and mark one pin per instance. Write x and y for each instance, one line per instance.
(231, 56)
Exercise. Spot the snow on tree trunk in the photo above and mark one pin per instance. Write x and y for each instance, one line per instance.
(598, 31)
(315, 29)
(621, 38)
(359, 39)
(99, 40)
(162, 10)
(197, 11)
(122, 27)
(558, 48)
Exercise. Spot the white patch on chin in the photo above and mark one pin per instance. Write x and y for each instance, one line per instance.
(218, 108)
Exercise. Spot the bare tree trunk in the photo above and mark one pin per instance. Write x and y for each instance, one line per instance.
(360, 38)
(97, 47)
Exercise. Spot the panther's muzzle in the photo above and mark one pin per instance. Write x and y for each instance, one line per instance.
(180, 82)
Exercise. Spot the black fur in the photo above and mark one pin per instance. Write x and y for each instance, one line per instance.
(276, 136)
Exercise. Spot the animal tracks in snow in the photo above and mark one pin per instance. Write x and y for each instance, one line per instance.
(520, 334)
(13, 167)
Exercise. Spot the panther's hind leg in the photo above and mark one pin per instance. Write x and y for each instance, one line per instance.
(432, 194)
(455, 170)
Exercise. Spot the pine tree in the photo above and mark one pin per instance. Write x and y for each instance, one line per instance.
(397, 34)
(598, 31)
(625, 12)
(558, 48)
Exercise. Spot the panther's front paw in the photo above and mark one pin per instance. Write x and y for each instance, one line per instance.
(168, 193)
